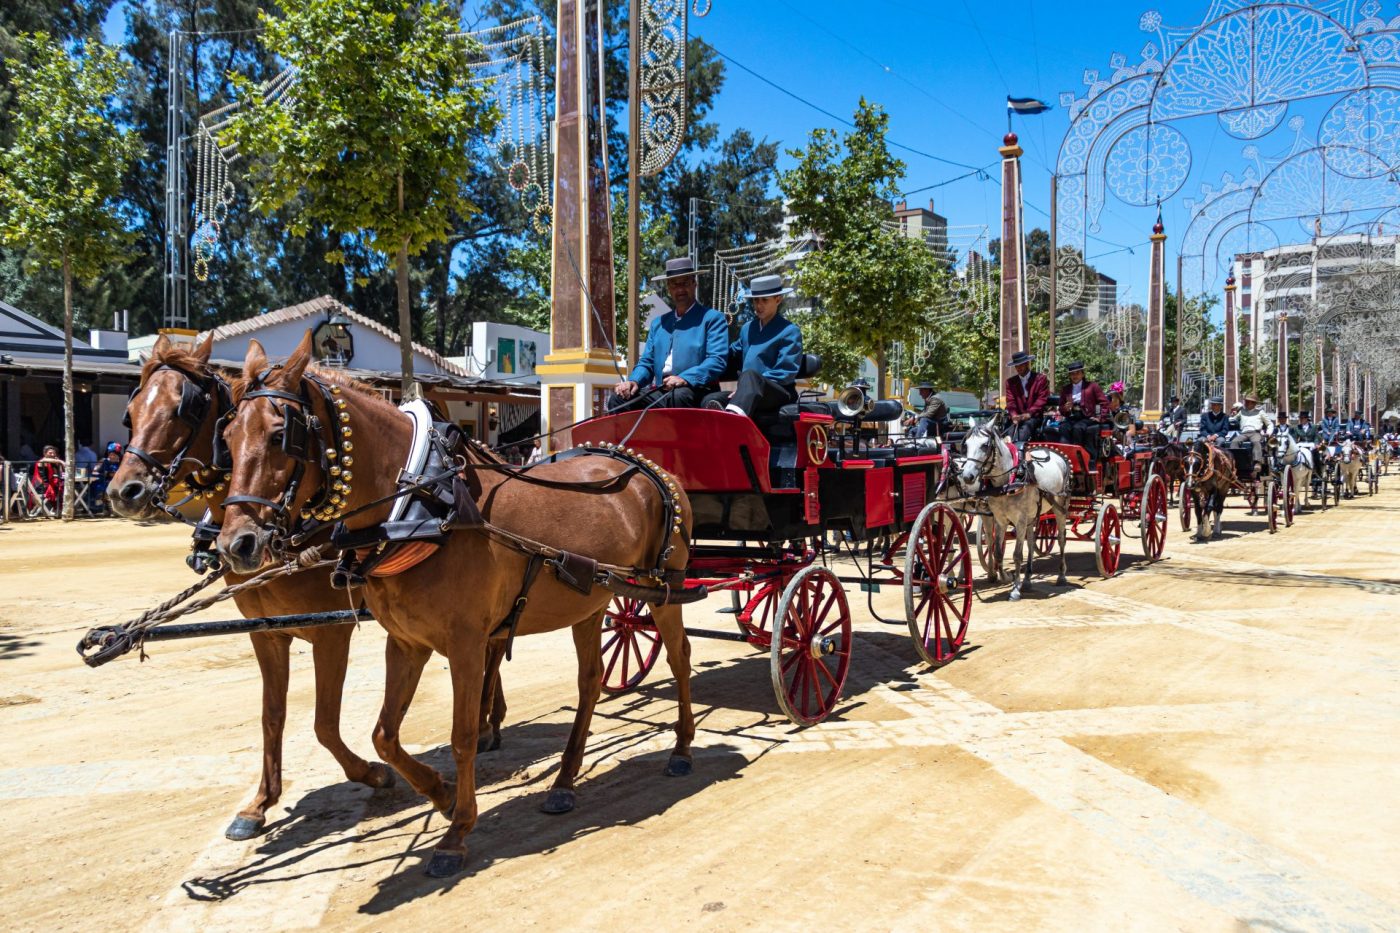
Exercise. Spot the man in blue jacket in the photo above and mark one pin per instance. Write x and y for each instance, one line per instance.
(686, 349)
(769, 354)
(1358, 427)
(1330, 427)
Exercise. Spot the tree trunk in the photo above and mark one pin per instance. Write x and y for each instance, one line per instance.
(441, 279)
(70, 449)
(882, 369)
(408, 386)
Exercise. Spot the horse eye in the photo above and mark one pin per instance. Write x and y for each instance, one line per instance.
(276, 438)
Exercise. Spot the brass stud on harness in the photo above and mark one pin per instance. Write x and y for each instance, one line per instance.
(335, 471)
(331, 454)
(340, 403)
(347, 462)
(335, 389)
(348, 476)
(346, 445)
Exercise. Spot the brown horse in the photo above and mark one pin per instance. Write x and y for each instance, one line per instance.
(460, 600)
(1210, 474)
(171, 444)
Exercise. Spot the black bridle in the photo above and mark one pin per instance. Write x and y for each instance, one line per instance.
(199, 396)
(301, 426)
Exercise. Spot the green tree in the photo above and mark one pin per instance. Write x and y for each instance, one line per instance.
(60, 178)
(874, 283)
(376, 138)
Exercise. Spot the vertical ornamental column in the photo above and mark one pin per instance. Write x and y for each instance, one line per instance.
(1232, 346)
(580, 362)
(1338, 385)
(1353, 392)
(1156, 316)
(1366, 411)
(1014, 320)
(1318, 381)
(1281, 403)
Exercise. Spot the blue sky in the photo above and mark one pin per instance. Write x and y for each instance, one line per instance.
(942, 69)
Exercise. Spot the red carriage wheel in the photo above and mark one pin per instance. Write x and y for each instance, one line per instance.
(991, 543)
(1047, 534)
(754, 615)
(938, 584)
(1108, 539)
(1273, 495)
(1153, 518)
(810, 661)
(631, 644)
(1188, 507)
(1288, 499)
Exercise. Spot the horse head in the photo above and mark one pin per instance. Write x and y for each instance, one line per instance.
(171, 416)
(981, 450)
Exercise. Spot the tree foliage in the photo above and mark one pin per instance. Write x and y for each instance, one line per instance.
(875, 284)
(61, 175)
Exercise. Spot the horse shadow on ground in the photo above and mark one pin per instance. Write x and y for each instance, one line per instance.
(613, 791)
(13, 646)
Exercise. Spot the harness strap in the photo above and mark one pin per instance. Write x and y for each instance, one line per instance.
(278, 507)
(512, 619)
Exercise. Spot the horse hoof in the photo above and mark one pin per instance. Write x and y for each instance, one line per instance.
(678, 766)
(445, 864)
(488, 743)
(1015, 596)
(245, 827)
(560, 800)
(1062, 582)
(380, 777)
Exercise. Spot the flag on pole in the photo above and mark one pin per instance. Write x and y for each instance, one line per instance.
(1026, 105)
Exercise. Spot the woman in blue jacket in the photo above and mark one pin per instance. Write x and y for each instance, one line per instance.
(769, 354)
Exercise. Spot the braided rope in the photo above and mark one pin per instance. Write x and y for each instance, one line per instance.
(107, 642)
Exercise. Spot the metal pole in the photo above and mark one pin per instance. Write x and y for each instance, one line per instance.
(1180, 319)
(634, 154)
(1054, 280)
(692, 230)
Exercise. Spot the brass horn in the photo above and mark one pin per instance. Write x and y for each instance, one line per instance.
(1122, 419)
(854, 402)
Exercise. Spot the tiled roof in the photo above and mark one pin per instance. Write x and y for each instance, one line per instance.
(320, 307)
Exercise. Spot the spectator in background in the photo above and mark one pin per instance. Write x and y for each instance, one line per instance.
(86, 457)
(102, 477)
(48, 477)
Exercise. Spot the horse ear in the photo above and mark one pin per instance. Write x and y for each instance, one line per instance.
(161, 347)
(205, 349)
(256, 360)
(296, 364)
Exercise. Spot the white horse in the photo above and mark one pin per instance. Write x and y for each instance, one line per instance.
(1353, 460)
(1289, 453)
(988, 467)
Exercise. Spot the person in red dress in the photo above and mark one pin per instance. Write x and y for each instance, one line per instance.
(1027, 393)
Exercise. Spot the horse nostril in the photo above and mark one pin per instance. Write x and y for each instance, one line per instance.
(132, 491)
(245, 546)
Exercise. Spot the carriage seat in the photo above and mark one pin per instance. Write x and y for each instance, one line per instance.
(779, 427)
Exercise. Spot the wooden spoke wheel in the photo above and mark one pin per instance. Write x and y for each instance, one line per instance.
(810, 659)
(631, 644)
(1152, 518)
(938, 584)
(991, 543)
(1188, 507)
(1273, 495)
(754, 614)
(1322, 490)
(1108, 539)
(1373, 480)
(1290, 497)
(1047, 535)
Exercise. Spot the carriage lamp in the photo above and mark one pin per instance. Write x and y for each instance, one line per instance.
(332, 339)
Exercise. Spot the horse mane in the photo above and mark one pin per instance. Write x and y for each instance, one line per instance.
(175, 354)
(240, 384)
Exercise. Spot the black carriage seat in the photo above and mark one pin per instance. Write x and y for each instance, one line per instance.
(779, 427)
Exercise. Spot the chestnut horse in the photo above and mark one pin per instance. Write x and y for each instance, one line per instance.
(1210, 474)
(177, 448)
(468, 598)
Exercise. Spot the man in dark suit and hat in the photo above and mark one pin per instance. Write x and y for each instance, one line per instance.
(1082, 405)
(934, 420)
(1027, 393)
(686, 350)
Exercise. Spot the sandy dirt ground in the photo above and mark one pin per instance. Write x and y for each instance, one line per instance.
(1204, 743)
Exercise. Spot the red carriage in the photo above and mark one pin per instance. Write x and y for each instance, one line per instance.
(764, 497)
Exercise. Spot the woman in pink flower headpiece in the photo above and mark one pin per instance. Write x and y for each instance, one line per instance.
(1124, 434)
